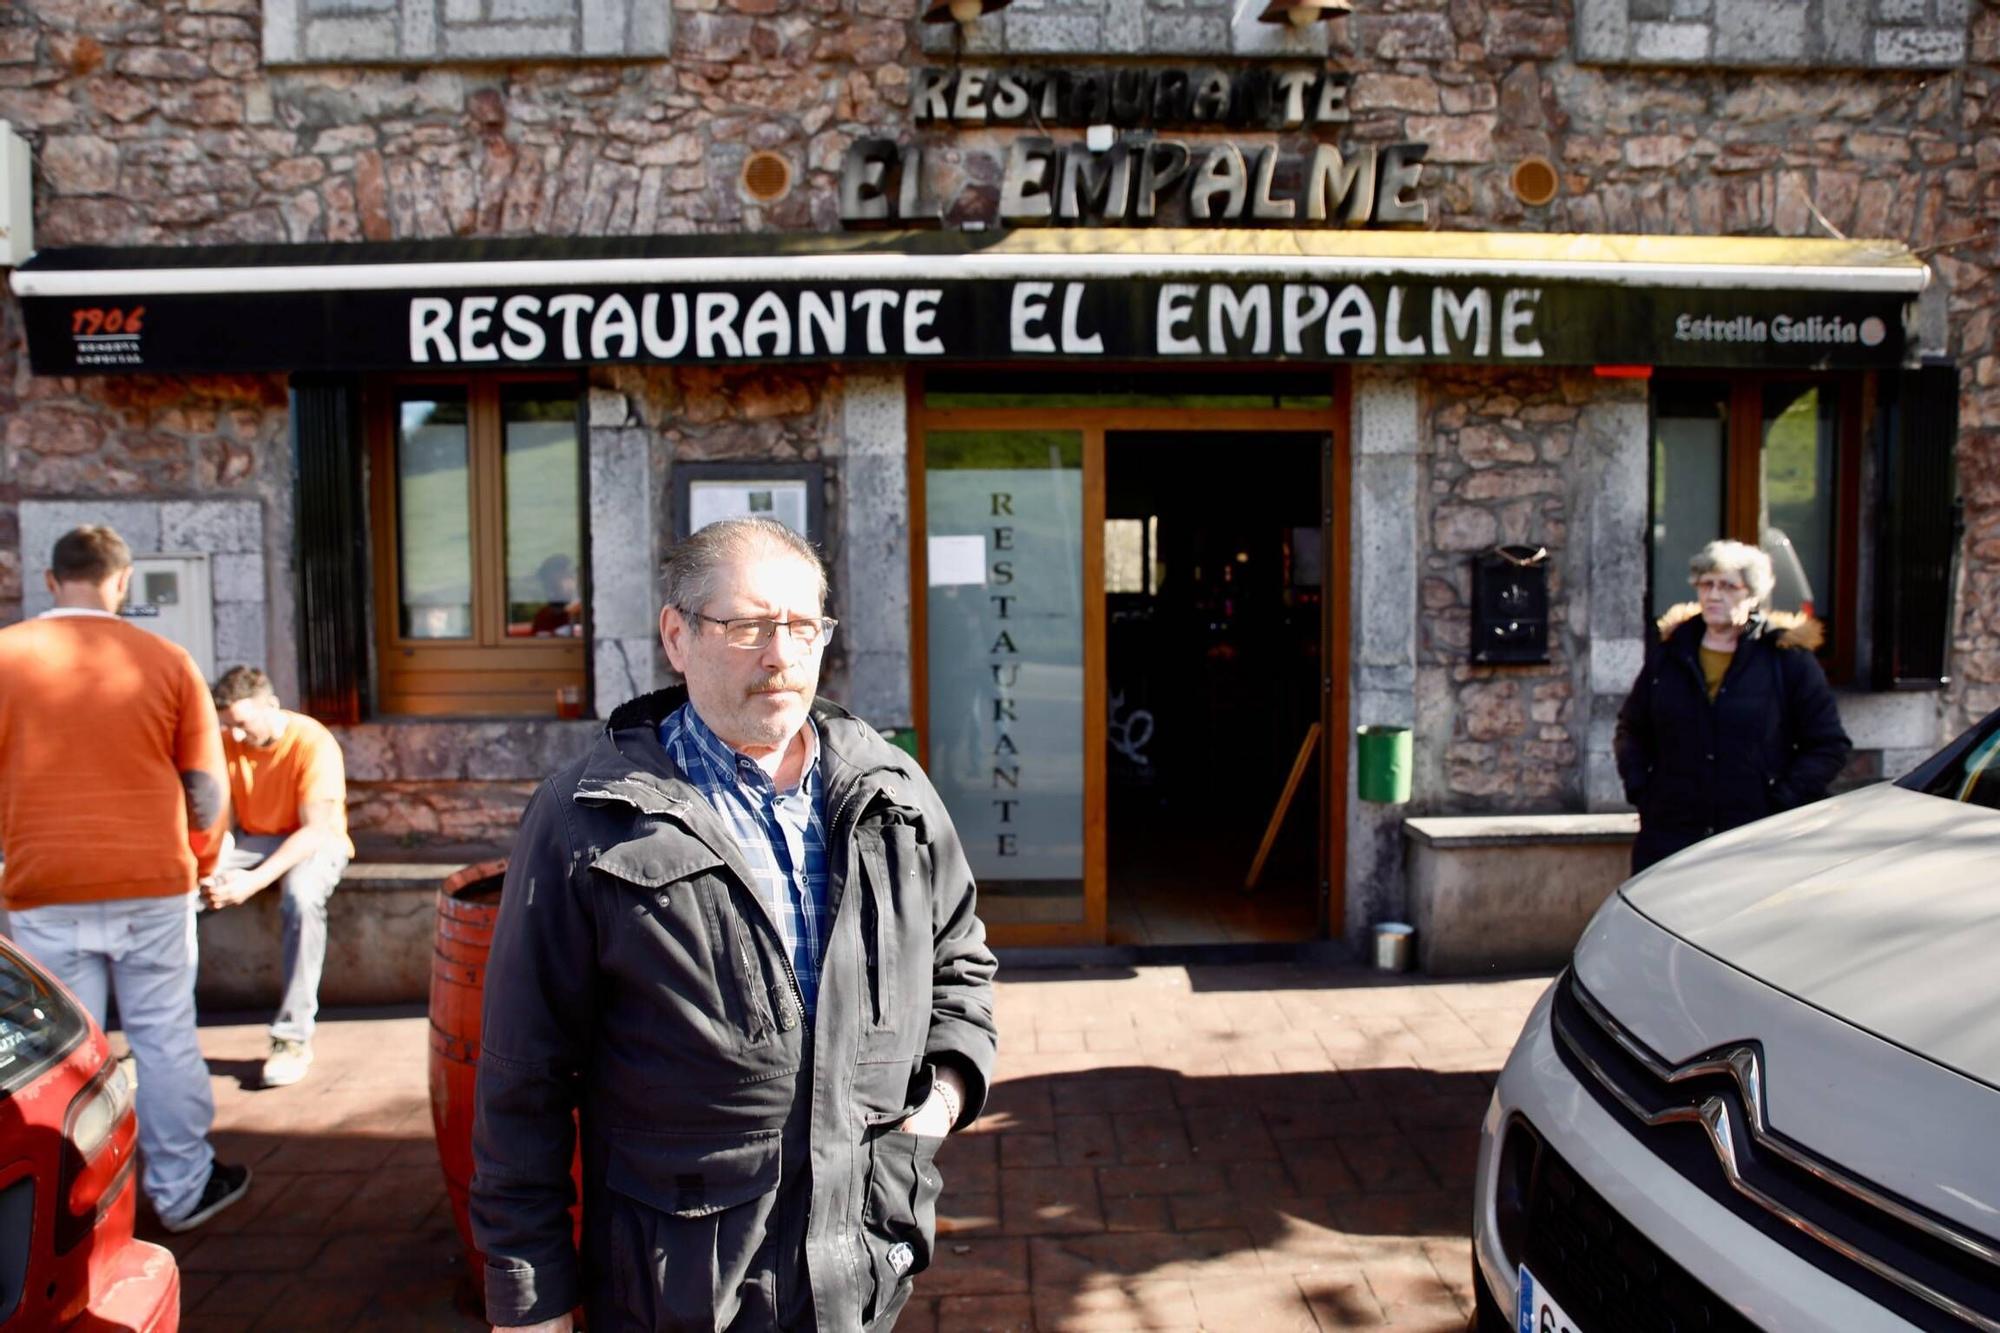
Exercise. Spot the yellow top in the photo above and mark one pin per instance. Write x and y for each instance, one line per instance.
(1714, 666)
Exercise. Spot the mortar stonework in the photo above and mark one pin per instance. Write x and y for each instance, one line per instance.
(159, 124)
(1501, 470)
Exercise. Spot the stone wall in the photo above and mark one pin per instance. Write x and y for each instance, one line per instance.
(1502, 469)
(428, 790)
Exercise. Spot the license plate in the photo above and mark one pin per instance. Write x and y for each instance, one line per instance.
(1537, 1311)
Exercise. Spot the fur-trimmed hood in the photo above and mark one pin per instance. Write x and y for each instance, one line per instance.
(1790, 629)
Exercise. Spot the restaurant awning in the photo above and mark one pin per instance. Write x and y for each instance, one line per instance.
(1117, 295)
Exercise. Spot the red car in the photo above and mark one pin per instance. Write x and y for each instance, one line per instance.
(68, 1259)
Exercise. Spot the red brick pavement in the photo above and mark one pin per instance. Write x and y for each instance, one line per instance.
(1264, 1148)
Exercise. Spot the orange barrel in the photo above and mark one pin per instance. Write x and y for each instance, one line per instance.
(468, 903)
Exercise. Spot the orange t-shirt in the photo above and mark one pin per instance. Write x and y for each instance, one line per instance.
(98, 720)
(268, 788)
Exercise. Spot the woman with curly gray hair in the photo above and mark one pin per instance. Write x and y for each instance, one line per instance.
(1731, 719)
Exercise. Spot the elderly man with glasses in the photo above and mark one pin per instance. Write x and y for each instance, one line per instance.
(738, 944)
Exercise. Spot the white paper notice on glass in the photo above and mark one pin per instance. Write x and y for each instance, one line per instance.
(956, 561)
(712, 501)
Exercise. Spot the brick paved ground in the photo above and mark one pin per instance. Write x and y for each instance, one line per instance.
(1264, 1148)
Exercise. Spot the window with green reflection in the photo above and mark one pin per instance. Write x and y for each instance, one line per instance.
(434, 516)
(544, 514)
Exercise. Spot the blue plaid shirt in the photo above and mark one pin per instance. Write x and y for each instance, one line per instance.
(782, 834)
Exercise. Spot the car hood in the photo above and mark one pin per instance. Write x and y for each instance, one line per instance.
(1880, 907)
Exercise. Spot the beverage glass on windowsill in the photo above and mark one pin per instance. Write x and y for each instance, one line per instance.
(569, 702)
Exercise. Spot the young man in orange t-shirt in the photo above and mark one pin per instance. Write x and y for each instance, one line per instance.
(288, 793)
(111, 803)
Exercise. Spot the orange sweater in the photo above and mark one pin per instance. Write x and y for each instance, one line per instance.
(98, 720)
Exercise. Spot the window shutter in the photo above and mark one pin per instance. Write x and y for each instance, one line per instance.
(1918, 530)
(331, 535)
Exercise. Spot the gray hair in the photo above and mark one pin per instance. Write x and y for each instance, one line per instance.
(693, 568)
(1747, 562)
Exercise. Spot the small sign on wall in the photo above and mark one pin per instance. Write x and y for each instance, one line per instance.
(173, 597)
(17, 204)
(791, 493)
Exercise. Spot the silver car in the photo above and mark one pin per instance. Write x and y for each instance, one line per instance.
(1766, 1093)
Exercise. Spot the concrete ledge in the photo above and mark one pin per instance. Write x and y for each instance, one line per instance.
(380, 927)
(1504, 893)
(1459, 831)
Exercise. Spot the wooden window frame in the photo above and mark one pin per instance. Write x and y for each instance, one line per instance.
(1743, 443)
(489, 674)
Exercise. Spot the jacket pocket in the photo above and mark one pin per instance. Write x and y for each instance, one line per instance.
(692, 1175)
(896, 938)
(675, 1250)
(899, 1226)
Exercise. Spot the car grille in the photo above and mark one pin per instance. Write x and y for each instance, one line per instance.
(1706, 1119)
(1600, 1268)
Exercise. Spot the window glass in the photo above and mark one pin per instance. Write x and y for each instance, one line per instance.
(1972, 777)
(544, 515)
(434, 517)
(1796, 517)
(1690, 430)
(36, 1023)
(1004, 518)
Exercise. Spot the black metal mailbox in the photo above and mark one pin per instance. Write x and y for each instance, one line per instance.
(1510, 606)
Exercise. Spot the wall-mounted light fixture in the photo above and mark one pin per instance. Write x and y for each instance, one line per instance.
(1299, 13)
(965, 13)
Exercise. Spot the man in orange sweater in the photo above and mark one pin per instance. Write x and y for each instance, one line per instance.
(111, 803)
(288, 795)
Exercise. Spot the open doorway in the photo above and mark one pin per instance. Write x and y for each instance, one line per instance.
(1215, 565)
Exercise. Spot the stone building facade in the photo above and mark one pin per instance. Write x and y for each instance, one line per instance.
(229, 122)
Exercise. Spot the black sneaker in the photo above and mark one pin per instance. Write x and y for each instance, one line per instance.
(226, 1184)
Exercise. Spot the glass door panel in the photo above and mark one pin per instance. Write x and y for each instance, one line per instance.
(1690, 435)
(544, 518)
(1005, 626)
(434, 516)
(1800, 440)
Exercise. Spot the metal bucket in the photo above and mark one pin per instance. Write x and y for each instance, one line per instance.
(1394, 943)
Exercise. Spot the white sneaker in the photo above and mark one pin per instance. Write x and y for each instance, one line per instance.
(287, 1063)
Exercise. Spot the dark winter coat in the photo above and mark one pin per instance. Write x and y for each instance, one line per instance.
(1770, 741)
(739, 1171)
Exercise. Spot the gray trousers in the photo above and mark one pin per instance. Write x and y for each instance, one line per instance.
(303, 893)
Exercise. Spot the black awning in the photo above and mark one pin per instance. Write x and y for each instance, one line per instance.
(1055, 295)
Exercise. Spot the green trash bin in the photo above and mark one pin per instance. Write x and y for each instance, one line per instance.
(1384, 775)
(903, 738)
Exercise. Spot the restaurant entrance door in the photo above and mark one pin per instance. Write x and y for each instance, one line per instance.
(1214, 579)
(1129, 613)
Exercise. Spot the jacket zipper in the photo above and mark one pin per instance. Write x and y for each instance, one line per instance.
(869, 944)
(847, 860)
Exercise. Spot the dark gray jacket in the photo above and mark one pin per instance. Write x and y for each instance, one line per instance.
(637, 981)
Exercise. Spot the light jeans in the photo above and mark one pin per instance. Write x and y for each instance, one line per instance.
(141, 950)
(302, 906)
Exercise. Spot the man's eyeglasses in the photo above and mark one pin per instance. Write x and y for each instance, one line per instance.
(756, 631)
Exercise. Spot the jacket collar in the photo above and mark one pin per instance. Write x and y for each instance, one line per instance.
(628, 766)
(1779, 629)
